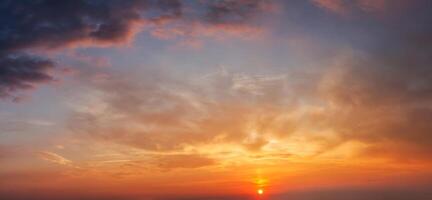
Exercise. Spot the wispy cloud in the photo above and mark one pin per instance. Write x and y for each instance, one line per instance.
(53, 157)
(346, 8)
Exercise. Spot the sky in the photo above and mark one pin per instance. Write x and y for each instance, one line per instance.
(215, 99)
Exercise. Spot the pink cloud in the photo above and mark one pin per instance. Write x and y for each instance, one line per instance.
(344, 8)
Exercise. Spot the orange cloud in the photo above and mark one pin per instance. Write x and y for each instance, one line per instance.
(182, 161)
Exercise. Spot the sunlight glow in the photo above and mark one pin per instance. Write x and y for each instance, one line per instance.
(260, 191)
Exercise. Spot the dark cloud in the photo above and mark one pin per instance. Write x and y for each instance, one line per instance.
(18, 72)
(233, 11)
(48, 24)
(53, 24)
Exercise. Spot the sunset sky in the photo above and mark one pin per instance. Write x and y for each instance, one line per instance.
(216, 100)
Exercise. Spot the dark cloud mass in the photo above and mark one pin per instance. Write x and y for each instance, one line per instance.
(19, 72)
(53, 24)
(48, 24)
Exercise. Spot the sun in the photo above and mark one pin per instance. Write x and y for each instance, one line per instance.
(260, 191)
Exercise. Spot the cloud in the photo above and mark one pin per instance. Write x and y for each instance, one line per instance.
(219, 20)
(168, 162)
(223, 12)
(207, 197)
(385, 93)
(48, 25)
(385, 109)
(61, 24)
(346, 8)
(38, 122)
(336, 6)
(163, 114)
(196, 31)
(378, 97)
(370, 98)
(159, 161)
(72, 195)
(374, 5)
(19, 72)
(53, 157)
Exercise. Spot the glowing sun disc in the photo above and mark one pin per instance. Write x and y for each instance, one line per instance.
(260, 191)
